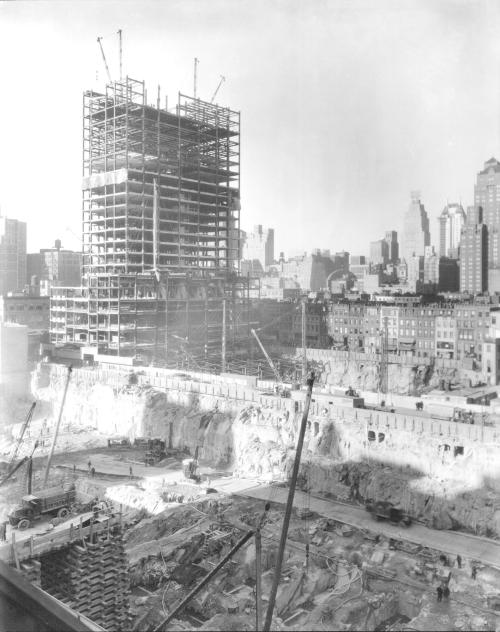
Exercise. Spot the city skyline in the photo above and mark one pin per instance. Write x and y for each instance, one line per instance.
(356, 110)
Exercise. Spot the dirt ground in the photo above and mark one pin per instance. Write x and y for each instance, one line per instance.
(334, 577)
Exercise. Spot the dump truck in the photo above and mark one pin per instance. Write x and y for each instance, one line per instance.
(54, 501)
(385, 510)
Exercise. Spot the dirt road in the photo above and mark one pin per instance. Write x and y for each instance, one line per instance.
(451, 542)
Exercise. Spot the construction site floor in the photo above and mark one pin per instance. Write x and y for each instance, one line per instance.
(452, 542)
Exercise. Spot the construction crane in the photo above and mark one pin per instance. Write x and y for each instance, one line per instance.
(17, 445)
(268, 357)
(289, 507)
(196, 62)
(120, 51)
(222, 79)
(272, 322)
(56, 431)
(99, 41)
(248, 534)
(29, 460)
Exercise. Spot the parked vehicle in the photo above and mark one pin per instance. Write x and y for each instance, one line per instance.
(52, 501)
(385, 510)
(125, 442)
(156, 451)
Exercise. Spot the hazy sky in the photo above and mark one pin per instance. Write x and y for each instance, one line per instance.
(346, 106)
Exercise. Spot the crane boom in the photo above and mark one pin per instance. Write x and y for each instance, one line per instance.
(120, 52)
(21, 434)
(222, 79)
(289, 507)
(196, 62)
(104, 59)
(268, 357)
(204, 581)
(56, 431)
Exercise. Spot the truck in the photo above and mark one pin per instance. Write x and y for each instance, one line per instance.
(385, 510)
(156, 451)
(53, 501)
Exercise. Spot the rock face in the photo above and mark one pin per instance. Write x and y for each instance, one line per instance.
(448, 489)
(343, 369)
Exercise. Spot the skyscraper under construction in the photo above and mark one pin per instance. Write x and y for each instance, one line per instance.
(161, 229)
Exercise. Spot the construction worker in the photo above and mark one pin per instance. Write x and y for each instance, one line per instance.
(446, 591)
(439, 591)
(92, 471)
(89, 464)
(459, 561)
(473, 571)
(130, 471)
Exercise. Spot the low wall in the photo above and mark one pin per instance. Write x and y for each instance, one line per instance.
(240, 393)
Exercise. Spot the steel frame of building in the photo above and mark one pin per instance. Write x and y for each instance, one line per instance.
(156, 278)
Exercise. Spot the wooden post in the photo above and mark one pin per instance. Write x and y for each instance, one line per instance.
(14, 551)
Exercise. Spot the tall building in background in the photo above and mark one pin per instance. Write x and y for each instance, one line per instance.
(451, 221)
(431, 266)
(379, 252)
(474, 253)
(391, 239)
(54, 267)
(416, 235)
(415, 272)
(487, 195)
(161, 220)
(259, 244)
(12, 255)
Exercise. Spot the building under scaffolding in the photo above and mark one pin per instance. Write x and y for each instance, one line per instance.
(161, 230)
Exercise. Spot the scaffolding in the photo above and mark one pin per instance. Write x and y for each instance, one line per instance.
(161, 228)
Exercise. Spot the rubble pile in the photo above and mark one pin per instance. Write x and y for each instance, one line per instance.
(332, 577)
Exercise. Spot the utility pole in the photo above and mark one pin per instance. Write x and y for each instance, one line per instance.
(289, 507)
(223, 363)
(384, 368)
(304, 353)
(196, 62)
(56, 431)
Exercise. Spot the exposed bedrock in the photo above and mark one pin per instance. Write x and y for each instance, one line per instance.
(449, 481)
